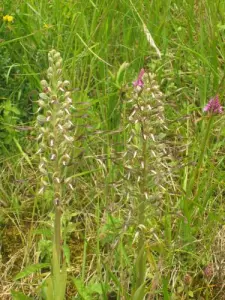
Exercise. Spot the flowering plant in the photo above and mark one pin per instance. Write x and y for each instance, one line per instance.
(213, 106)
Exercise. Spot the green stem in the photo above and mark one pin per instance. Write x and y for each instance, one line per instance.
(141, 221)
(194, 181)
(197, 170)
(57, 232)
(57, 186)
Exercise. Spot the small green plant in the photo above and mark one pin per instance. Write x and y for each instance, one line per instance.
(213, 108)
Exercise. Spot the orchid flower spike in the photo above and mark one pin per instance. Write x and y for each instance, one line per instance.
(139, 81)
(214, 106)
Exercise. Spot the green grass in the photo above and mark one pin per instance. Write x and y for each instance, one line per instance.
(185, 232)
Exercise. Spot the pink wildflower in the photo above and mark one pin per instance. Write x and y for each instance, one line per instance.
(214, 106)
(139, 81)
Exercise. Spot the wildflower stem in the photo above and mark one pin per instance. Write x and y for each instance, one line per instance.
(202, 152)
(57, 185)
(57, 232)
(196, 172)
(194, 181)
(141, 220)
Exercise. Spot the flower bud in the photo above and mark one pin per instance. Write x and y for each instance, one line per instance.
(44, 83)
(44, 182)
(60, 113)
(52, 53)
(59, 72)
(53, 156)
(43, 96)
(51, 143)
(60, 127)
(56, 56)
(59, 63)
(49, 75)
(69, 100)
(71, 187)
(65, 159)
(69, 139)
(66, 83)
(41, 119)
(67, 111)
(57, 180)
(50, 70)
(41, 103)
(67, 93)
(68, 179)
(42, 170)
(50, 60)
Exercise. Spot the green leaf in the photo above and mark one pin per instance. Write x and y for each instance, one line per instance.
(10, 108)
(191, 294)
(15, 110)
(180, 289)
(83, 173)
(95, 288)
(63, 282)
(81, 289)
(66, 251)
(19, 296)
(140, 266)
(47, 289)
(46, 232)
(30, 270)
(23, 153)
(166, 295)
(140, 293)
(113, 277)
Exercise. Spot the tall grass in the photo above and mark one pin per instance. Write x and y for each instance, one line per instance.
(104, 46)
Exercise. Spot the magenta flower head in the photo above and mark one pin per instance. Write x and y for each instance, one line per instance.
(214, 106)
(139, 81)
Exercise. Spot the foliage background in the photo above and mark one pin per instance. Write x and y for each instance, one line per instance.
(95, 38)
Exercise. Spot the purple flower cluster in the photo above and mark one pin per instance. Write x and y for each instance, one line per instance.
(139, 81)
(214, 106)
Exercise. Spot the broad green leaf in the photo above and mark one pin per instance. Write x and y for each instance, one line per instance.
(191, 294)
(81, 289)
(95, 288)
(19, 296)
(140, 293)
(30, 270)
(47, 289)
(140, 266)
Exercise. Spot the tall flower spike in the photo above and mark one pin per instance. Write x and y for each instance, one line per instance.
(146, 163)
(214, 106)
(54, 136)
(147, 125)
(56, 145)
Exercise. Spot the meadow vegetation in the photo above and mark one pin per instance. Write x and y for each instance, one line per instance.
(112, 168)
